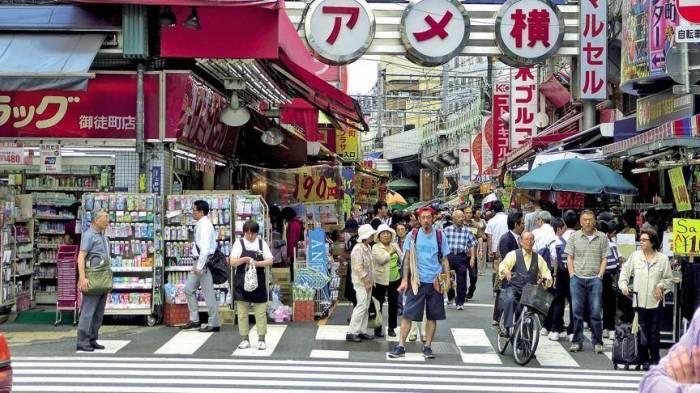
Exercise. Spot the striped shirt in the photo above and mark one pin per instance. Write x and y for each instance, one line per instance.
(588, 253)
(460, 239)
(613, 257)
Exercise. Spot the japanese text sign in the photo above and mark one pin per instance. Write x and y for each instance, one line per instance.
(657, 109)
(593, 49)
(50, 158)
(434, 31)
(501, 133)
(347, 144)
(663, 19)
(11, 154)
(680, 191)
(314, 186)
(339, 31)
(528, 31)
(105, 110)
(524, 106)
(685, 236)
(156, 180)
(570, 200)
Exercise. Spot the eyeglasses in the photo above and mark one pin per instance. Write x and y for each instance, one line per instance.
(644, 239)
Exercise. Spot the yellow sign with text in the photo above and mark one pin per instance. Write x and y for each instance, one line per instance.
(347, 145)
(686, 236)
(314, 187)
(680, 191)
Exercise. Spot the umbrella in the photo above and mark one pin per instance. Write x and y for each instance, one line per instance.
(576, 175)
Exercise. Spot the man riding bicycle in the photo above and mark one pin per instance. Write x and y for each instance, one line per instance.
(517, 270)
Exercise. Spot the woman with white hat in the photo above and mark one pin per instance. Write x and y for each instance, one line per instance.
(387, 274)
(362, 280)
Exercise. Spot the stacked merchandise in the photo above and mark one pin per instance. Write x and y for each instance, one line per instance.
(52, 216)
(8, 290)
(17, 252)
(179, 242)
(63, 182)
(134, 247)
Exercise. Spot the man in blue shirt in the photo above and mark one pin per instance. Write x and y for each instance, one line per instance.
(426, 257)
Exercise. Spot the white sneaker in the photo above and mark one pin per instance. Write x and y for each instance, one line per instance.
(563, 335)
(606, 333)
(554, 336)
(245, 344)
(544, 332)
(612, 335)
(262, 346)
(571, 338)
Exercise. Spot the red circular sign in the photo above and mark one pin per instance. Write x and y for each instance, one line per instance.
(689, 10)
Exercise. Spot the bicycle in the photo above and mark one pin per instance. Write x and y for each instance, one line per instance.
(525, 333)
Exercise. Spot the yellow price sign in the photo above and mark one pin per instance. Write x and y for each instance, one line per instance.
(686, 236)
(311, 187)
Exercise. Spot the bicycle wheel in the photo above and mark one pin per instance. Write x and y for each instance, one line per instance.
(502, 341)
(526, 338)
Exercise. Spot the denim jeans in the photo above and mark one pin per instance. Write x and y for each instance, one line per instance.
(587, 294)
(562, 294)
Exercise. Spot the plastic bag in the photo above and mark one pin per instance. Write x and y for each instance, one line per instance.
(251, 278)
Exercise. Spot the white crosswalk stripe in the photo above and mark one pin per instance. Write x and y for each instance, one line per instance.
(156, 375)
(475, 338)
(184, 343)
(272, 338)
(111, 346)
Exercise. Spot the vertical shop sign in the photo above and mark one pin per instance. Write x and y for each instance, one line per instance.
(464, 166)
(501, 133)
(347, 145)
(476, 156)
(50, 158)
(524, 109)
(680, 191)
(528, 32)
(155, 180)
(339, 31)
(663, 19)
(593, 49)
(486, 144)
(635, 40)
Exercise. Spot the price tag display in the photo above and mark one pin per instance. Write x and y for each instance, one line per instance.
(312, 187)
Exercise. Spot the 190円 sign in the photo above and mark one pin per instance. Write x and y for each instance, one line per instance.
(528, 32)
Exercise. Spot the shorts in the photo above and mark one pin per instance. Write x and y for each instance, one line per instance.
(427, 299)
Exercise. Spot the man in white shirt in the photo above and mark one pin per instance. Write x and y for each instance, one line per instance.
(495, 228)
(544, 235)
(531, 217)
(200, 276)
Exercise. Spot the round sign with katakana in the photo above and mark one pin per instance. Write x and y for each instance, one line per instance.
(339, 31)
(434, 31)
(528, 32)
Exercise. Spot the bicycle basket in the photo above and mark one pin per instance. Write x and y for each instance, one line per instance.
(537, 298)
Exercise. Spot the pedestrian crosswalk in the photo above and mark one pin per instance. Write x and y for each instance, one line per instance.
(205, 375)
(472, 346)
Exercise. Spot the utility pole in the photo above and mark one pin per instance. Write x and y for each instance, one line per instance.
(380, 102)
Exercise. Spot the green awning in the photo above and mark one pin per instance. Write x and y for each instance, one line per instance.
(402, 184)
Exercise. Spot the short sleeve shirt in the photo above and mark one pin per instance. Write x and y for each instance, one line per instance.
(237, 250)
(94, 242)
(587, 253)
(429, 267)
(497, 227)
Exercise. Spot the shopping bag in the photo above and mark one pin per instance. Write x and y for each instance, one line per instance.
(250, 282)
(99, 275)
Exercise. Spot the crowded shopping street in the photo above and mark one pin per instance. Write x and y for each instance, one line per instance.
(349, 196)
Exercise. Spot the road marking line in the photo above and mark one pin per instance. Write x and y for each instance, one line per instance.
(272, 338)
(332, 332)
(328, 354)
(475, 338)
(184, 343)
(111, 346)
(551, 353)
(409, 357)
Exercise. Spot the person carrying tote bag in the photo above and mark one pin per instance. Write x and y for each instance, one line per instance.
(94, 281)
(251, 254)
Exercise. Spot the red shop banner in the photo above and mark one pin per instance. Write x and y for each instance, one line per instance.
(193, 111)
(570, 200)
(107, 110)
(501, 130)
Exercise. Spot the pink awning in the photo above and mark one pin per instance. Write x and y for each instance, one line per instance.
(190, 3)
(555, 92)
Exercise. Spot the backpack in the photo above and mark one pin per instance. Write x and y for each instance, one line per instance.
(561, 255)
(626, 346)
(438, 237)
(546, 254)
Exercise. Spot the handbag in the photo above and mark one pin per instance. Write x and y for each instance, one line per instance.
(250, 282)
(99, 275)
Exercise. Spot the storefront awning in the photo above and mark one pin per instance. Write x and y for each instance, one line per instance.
(681, 132)
(190, 3)
(31, 62)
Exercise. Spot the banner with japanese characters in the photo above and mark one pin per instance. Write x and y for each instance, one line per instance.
(347, 144)
(501, 134)
(679, 189)
(107, 110)
(523, 106)
(50, 155)
(593, 49)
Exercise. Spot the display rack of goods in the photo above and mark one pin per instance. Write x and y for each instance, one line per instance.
(179, 230)
(134, 241)
(63, 182)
